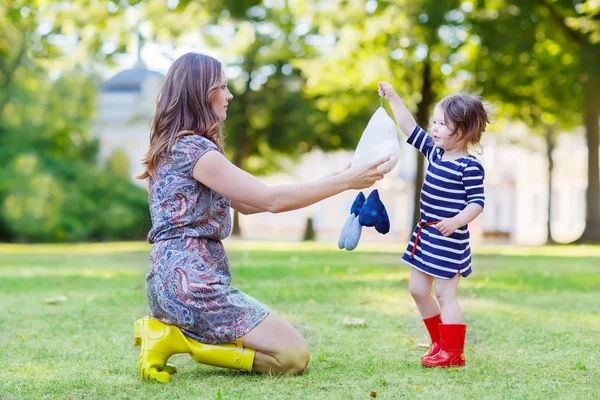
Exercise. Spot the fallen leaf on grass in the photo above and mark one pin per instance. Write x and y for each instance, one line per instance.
(418, 387)
(411, 340)
(349, 321)
(55, 300)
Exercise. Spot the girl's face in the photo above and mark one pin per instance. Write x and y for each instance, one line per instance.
(222, 98)
(442, 134)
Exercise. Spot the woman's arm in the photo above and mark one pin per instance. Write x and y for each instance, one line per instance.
(247, 210)
(216, 172)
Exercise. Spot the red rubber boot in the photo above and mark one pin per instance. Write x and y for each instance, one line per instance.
(432, 325)
(452, 338)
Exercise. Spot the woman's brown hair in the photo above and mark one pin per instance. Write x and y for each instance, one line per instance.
(184, 107)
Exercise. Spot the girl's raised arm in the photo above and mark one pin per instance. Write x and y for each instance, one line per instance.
(404, 118)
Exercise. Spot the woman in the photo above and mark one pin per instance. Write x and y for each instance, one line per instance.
(192, 186)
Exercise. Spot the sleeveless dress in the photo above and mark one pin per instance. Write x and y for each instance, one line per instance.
(448, 187)
(189, 280)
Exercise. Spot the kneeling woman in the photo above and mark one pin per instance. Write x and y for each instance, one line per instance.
(194, 309)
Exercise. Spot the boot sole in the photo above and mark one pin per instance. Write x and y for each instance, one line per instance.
(137, 332)
(443, 366)
(167, 370)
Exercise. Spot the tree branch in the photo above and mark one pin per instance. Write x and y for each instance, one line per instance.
(10, 73)
(575, 35)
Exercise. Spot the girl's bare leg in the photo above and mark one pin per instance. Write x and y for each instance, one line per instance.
(445, 291)
(420, 289)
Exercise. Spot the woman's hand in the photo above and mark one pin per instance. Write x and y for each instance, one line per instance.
(386, 91)
(364, 176)
(346, 167)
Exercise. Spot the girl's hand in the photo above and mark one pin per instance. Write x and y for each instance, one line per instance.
(447, 226)
(386, 90)
(364, 176)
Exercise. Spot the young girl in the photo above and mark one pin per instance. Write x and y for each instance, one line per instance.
(451, 197)
(194, 307)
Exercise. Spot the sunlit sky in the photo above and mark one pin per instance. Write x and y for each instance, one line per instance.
(157, 57)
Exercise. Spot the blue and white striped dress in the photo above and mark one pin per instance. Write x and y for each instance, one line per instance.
(449, 186)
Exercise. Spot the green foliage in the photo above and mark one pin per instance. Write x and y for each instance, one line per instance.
(303, 74)
(117, 163)
(43, 200)
(50, 186)
(525, 64)
(393, 42)
(270, 117)
(541, 60)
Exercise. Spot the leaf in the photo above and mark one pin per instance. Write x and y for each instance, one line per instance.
(55, 300)
(351, 321)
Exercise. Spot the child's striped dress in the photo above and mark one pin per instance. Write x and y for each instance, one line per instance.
(449, 186)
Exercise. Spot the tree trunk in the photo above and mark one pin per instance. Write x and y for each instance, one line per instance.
(238, 159)
(243, 145)
(309, 231)
(591, 233)
(236, 229)
(423, 120)
(549, 150)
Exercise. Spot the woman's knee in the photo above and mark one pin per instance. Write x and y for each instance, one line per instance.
(294, 360)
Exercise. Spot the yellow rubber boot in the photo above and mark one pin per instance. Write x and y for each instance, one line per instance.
(157, 343)
(227, 355)
(160, 341)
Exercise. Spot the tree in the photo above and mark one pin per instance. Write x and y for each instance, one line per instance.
(545, 76)
(414, 44)
(270, 118)
(50, 186)
(580, 25)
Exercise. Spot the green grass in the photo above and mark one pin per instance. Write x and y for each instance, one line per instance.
(533, 324)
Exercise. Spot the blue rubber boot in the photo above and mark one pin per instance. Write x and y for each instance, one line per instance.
(351, 231)
(373, 213)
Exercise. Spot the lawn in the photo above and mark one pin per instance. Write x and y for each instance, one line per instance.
(533, 315)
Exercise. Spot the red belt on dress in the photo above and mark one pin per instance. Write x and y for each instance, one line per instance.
(421, 225)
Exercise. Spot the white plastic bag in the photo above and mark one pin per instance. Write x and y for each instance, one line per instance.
(379, 139)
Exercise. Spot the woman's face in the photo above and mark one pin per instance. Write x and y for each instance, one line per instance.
(222, 98)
